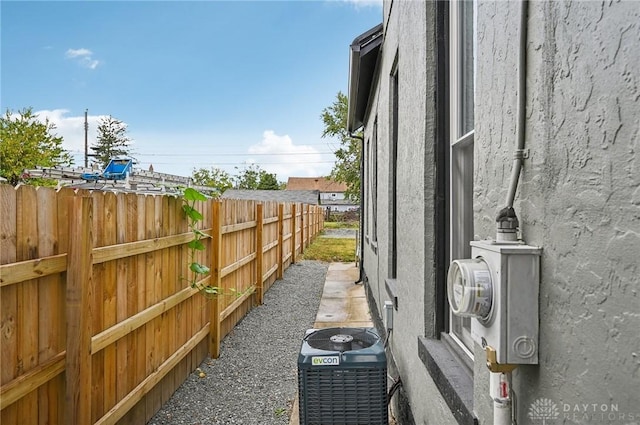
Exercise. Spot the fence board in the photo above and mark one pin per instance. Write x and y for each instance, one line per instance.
(259, 253)
(97, 307)
(28, 306)
(182, 327)
(139, 414)
(152, 400)
(139, 313)
(51, 316)
(216, 280)
(109, 312)
(169, 289)
(294, 232)
(122, 277)
(79, 288)
(280, 243)
(8, 298)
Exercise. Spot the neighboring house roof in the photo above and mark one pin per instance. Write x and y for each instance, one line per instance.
(304, 196)
(321, 184)
(362, 66)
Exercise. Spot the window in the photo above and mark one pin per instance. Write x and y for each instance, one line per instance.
(393, 173)
(461, 132)
(443, 351)
(374, 183)
(366, 154)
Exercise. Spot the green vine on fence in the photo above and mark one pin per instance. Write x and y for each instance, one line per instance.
(198, 270)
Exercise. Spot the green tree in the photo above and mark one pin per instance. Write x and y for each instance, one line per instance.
(349, 154)
(252, 177)
(213, 177)
(26, 142)
(268, 181)
(112, 141)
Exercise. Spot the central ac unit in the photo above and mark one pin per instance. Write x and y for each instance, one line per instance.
(342, 377)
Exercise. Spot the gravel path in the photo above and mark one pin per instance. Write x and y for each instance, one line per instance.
(255, 379)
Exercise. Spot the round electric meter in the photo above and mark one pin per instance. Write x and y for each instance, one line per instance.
(470, 289)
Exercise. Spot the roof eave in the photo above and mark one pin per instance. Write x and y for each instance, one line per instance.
(362, 64)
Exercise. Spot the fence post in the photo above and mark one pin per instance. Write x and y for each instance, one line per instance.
(308, 225)
(78, 300)
(293, 233)
(280, 239)
(301, 229)
(315, 221)
(259, 253)
(216, 280)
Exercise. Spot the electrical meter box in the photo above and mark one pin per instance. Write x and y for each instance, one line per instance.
(498, 288)
(512, 325)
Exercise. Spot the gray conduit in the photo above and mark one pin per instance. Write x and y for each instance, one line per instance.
(522, 106)
(507, 219)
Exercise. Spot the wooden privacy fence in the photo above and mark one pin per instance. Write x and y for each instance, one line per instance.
(98, 324)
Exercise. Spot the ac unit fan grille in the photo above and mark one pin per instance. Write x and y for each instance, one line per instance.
(353, 396)
(358, 339)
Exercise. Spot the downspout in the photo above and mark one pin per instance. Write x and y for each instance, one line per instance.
(360, 268)
(507, 220)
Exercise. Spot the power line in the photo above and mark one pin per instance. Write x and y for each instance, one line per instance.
(227, 154)
(243, 163)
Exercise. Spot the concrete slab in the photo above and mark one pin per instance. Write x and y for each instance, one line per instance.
(347, 324)
(343, 303)
(348, 273)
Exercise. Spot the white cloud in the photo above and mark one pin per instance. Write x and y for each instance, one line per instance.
(74, 53)
(71, 129)
(365, 3)
(279, 155)
(84, 57)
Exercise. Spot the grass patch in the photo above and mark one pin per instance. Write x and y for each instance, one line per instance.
(331, 250)
(341, 224)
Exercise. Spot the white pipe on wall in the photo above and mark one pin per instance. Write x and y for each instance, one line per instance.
(500, 391)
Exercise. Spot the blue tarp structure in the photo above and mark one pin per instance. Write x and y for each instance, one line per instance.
(117, 169)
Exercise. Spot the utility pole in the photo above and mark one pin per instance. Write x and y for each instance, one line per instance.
(86, 140)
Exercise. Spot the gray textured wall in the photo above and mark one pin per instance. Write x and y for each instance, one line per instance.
(579, 196)
(409, 38)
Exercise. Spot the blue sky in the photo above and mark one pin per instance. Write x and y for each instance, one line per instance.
(199, 83)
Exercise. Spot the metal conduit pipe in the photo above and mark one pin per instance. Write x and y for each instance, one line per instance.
(522, 106)
(500, 383)
(507, 220)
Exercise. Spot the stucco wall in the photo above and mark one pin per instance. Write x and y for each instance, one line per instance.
(409, 37)
(579, 197)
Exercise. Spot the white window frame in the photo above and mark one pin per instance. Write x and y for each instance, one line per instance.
(374, 184)
(366, 154)
(461, 165)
